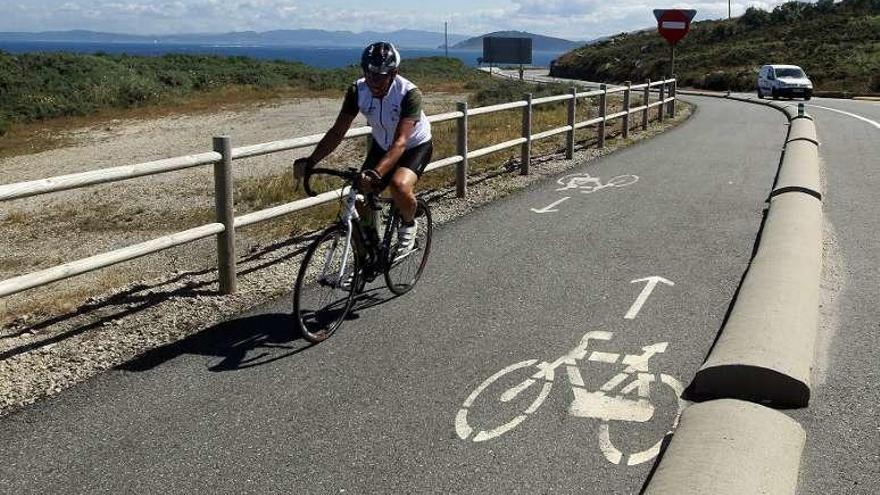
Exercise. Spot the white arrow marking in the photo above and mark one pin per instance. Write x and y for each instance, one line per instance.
(549, 209)
(640, 301)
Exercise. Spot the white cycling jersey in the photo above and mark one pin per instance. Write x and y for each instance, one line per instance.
(383, 114)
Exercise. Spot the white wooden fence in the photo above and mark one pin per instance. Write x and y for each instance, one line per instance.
(223, 156)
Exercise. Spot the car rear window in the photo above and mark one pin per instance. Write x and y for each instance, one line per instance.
(789, 73)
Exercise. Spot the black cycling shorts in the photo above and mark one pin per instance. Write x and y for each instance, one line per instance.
(415, 159)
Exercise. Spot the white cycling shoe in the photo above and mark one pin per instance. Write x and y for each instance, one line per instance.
(406, 239)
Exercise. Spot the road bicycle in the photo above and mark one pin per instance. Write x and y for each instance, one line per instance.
(353, 252)
(527, 385)
(587, 184)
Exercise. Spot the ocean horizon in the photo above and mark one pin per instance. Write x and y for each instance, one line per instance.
(321, 57)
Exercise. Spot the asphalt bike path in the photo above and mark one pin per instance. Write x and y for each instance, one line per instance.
(573, 297)
(842, 453)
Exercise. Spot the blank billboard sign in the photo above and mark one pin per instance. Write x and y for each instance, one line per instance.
(507, 50)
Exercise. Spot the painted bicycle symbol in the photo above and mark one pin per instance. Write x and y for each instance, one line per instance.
(587, 183)
(611, 404)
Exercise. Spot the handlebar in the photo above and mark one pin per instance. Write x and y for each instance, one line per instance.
(351, 175)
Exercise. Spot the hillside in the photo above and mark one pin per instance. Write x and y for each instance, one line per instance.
(38, 86)
(837, 44)
(539, 42)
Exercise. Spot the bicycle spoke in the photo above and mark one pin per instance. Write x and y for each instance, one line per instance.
(325, 285)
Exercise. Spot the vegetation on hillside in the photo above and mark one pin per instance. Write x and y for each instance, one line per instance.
(837, 44)
(38, 86)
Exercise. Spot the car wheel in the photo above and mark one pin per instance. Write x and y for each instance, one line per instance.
(760, 94)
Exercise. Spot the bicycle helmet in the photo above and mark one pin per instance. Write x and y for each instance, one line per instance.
(380, 58)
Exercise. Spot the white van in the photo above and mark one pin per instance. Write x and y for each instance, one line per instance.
(784, 80)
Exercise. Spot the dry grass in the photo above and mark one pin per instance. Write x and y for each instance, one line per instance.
(35, 137)
(14, 218)
(66, 298)
(114, 216)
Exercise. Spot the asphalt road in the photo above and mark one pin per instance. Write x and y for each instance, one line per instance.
(842, 453)
(843, 420)
(541, 76)
(248, 408)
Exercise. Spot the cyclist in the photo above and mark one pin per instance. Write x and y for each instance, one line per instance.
(401, 145)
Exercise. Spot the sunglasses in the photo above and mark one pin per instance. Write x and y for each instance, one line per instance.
(374, 77)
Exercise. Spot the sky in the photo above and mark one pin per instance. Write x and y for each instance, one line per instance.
(571, 19)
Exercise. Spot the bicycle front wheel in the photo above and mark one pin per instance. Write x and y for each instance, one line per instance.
(326, 285)
(402, 271)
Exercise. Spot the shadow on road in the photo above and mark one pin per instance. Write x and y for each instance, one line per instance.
(248, 341)
(141, 297)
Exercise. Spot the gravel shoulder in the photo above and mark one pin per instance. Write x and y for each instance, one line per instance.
(60, 335)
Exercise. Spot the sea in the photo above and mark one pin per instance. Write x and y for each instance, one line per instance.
(322, 57)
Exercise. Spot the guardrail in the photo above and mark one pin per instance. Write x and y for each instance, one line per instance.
(224, 154)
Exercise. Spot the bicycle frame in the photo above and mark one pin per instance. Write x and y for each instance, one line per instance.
(356, 235)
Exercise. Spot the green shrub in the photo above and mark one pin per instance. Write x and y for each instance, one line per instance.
(835, 43)
(5, 124)
(496, 91)
(45, 85)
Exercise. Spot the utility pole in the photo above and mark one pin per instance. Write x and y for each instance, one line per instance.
(446, 37)
(729, 17)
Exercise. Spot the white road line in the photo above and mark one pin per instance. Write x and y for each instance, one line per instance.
(863, 119)
(640, 301)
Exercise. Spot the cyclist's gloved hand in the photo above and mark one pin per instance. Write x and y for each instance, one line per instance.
(370, 181)
(300, 165)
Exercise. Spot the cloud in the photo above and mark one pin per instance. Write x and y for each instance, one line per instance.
(574, 19)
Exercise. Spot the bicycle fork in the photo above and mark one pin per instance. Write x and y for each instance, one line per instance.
(347, 216)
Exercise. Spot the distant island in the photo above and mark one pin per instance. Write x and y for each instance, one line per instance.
(405, 38)
(539, 42)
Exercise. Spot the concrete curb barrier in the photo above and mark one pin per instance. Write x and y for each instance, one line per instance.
(765, 350)
(802, 129)
(764, 353)
(730, 447)
(799, 171)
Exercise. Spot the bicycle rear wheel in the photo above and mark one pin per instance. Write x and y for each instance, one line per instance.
(402, 272)
(326, 285)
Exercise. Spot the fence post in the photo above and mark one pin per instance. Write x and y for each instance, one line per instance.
(462, 144)
(646, 101)
(223, 201)
(526, 158)
(626, 105)
(572, 119)
(672, 90)
(603, 111)
(662, 103)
